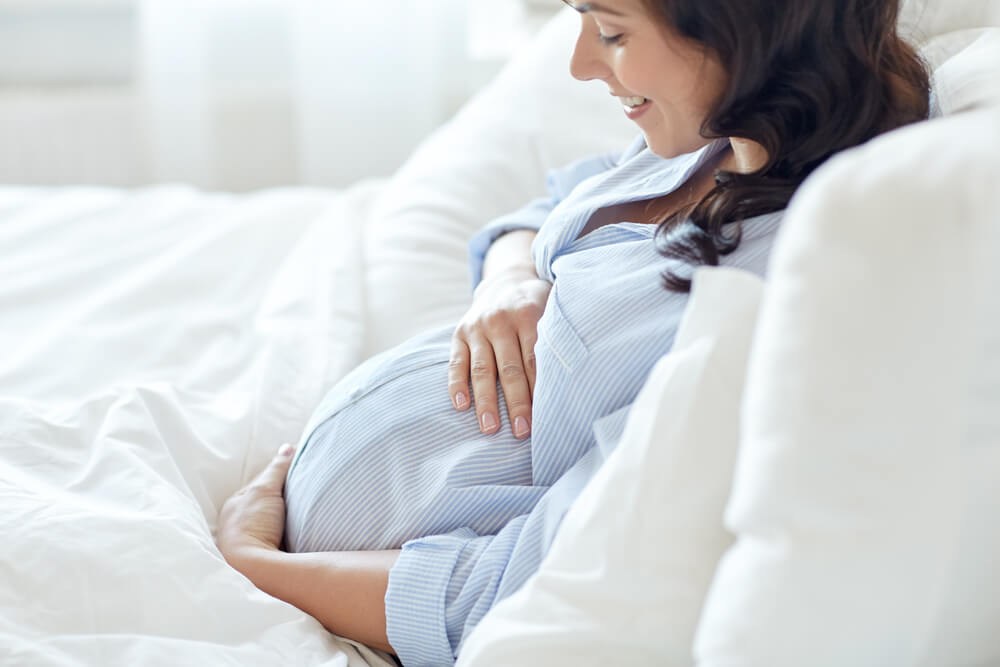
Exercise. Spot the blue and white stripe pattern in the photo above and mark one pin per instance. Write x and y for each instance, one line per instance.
(387, 462)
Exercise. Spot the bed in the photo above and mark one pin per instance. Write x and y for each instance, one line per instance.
(160, 343)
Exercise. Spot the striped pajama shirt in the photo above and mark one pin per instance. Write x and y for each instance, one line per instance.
(386, 462)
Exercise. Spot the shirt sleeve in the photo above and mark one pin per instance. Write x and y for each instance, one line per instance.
(442, 586)
(559, 183)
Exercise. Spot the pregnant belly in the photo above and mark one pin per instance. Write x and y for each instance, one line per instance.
(389, 459)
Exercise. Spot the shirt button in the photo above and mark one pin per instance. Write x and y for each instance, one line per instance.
(355, 393)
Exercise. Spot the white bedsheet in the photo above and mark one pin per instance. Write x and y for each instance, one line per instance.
(157, 346)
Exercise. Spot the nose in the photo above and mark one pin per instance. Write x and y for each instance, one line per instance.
(587, 61)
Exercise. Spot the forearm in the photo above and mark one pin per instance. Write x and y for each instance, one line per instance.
(510, 252)
(345, 591)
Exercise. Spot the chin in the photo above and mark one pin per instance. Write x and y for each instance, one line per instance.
(665, 149)
(671, 147)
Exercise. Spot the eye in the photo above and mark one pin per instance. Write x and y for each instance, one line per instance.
(614, 39)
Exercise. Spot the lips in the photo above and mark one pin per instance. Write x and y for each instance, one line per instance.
(634, 112)
(634, 105)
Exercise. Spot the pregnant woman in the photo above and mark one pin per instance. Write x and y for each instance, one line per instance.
(405, 515)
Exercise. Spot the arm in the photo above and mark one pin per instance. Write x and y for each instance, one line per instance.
(344, 591)
(511, 253)
(442, 586)
(559, 183)
(428, 595)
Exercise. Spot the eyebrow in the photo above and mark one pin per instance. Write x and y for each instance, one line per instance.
(593, 7)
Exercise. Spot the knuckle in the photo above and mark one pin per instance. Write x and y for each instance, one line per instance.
(494, 320)
(524, 310)
(511, 370)
(514, 403)
(480, 368)
(256, 489)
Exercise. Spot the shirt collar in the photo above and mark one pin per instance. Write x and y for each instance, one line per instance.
(645, 174)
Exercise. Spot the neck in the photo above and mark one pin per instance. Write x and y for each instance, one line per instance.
(746, 157)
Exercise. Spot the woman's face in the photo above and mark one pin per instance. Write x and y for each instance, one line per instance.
(666, 84)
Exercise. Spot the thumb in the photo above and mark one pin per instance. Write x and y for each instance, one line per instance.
(277, 469)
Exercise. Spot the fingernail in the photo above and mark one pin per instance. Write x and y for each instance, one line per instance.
(521, 427)
(285, 450)
(461, 402)
(489, 421)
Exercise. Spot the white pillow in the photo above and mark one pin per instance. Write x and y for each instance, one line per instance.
(922, 20)
(970, 77)
(625, 578)
(866, 498)
(489, 160)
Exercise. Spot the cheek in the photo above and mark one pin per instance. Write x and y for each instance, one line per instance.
(636, 72)
(665, 80)
(691, 91)
(713, 81)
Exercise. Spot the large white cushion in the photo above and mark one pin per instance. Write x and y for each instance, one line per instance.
(866, 497)
(625, 577)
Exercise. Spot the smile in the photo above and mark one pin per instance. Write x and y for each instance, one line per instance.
(633, 101)
(635, 106)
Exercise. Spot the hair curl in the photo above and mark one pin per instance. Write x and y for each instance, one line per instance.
(807, 79)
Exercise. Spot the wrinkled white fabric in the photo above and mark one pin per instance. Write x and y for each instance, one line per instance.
(159, 345)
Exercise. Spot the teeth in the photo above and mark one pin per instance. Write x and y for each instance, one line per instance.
(632, 101)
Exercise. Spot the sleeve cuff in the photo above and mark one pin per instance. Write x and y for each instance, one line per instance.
(415, 599)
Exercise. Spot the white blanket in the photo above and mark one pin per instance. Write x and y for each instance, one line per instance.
(158, 345)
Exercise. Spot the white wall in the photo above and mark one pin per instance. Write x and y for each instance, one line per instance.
(236, 94)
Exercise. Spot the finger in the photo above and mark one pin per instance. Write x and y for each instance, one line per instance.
(483, 371)
(517, 394)
(272, 477)
(528, 357)
(458, 373)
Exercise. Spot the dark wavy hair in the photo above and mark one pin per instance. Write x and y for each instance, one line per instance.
(807, 79)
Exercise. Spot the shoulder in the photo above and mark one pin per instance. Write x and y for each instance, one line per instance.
(563, 180)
